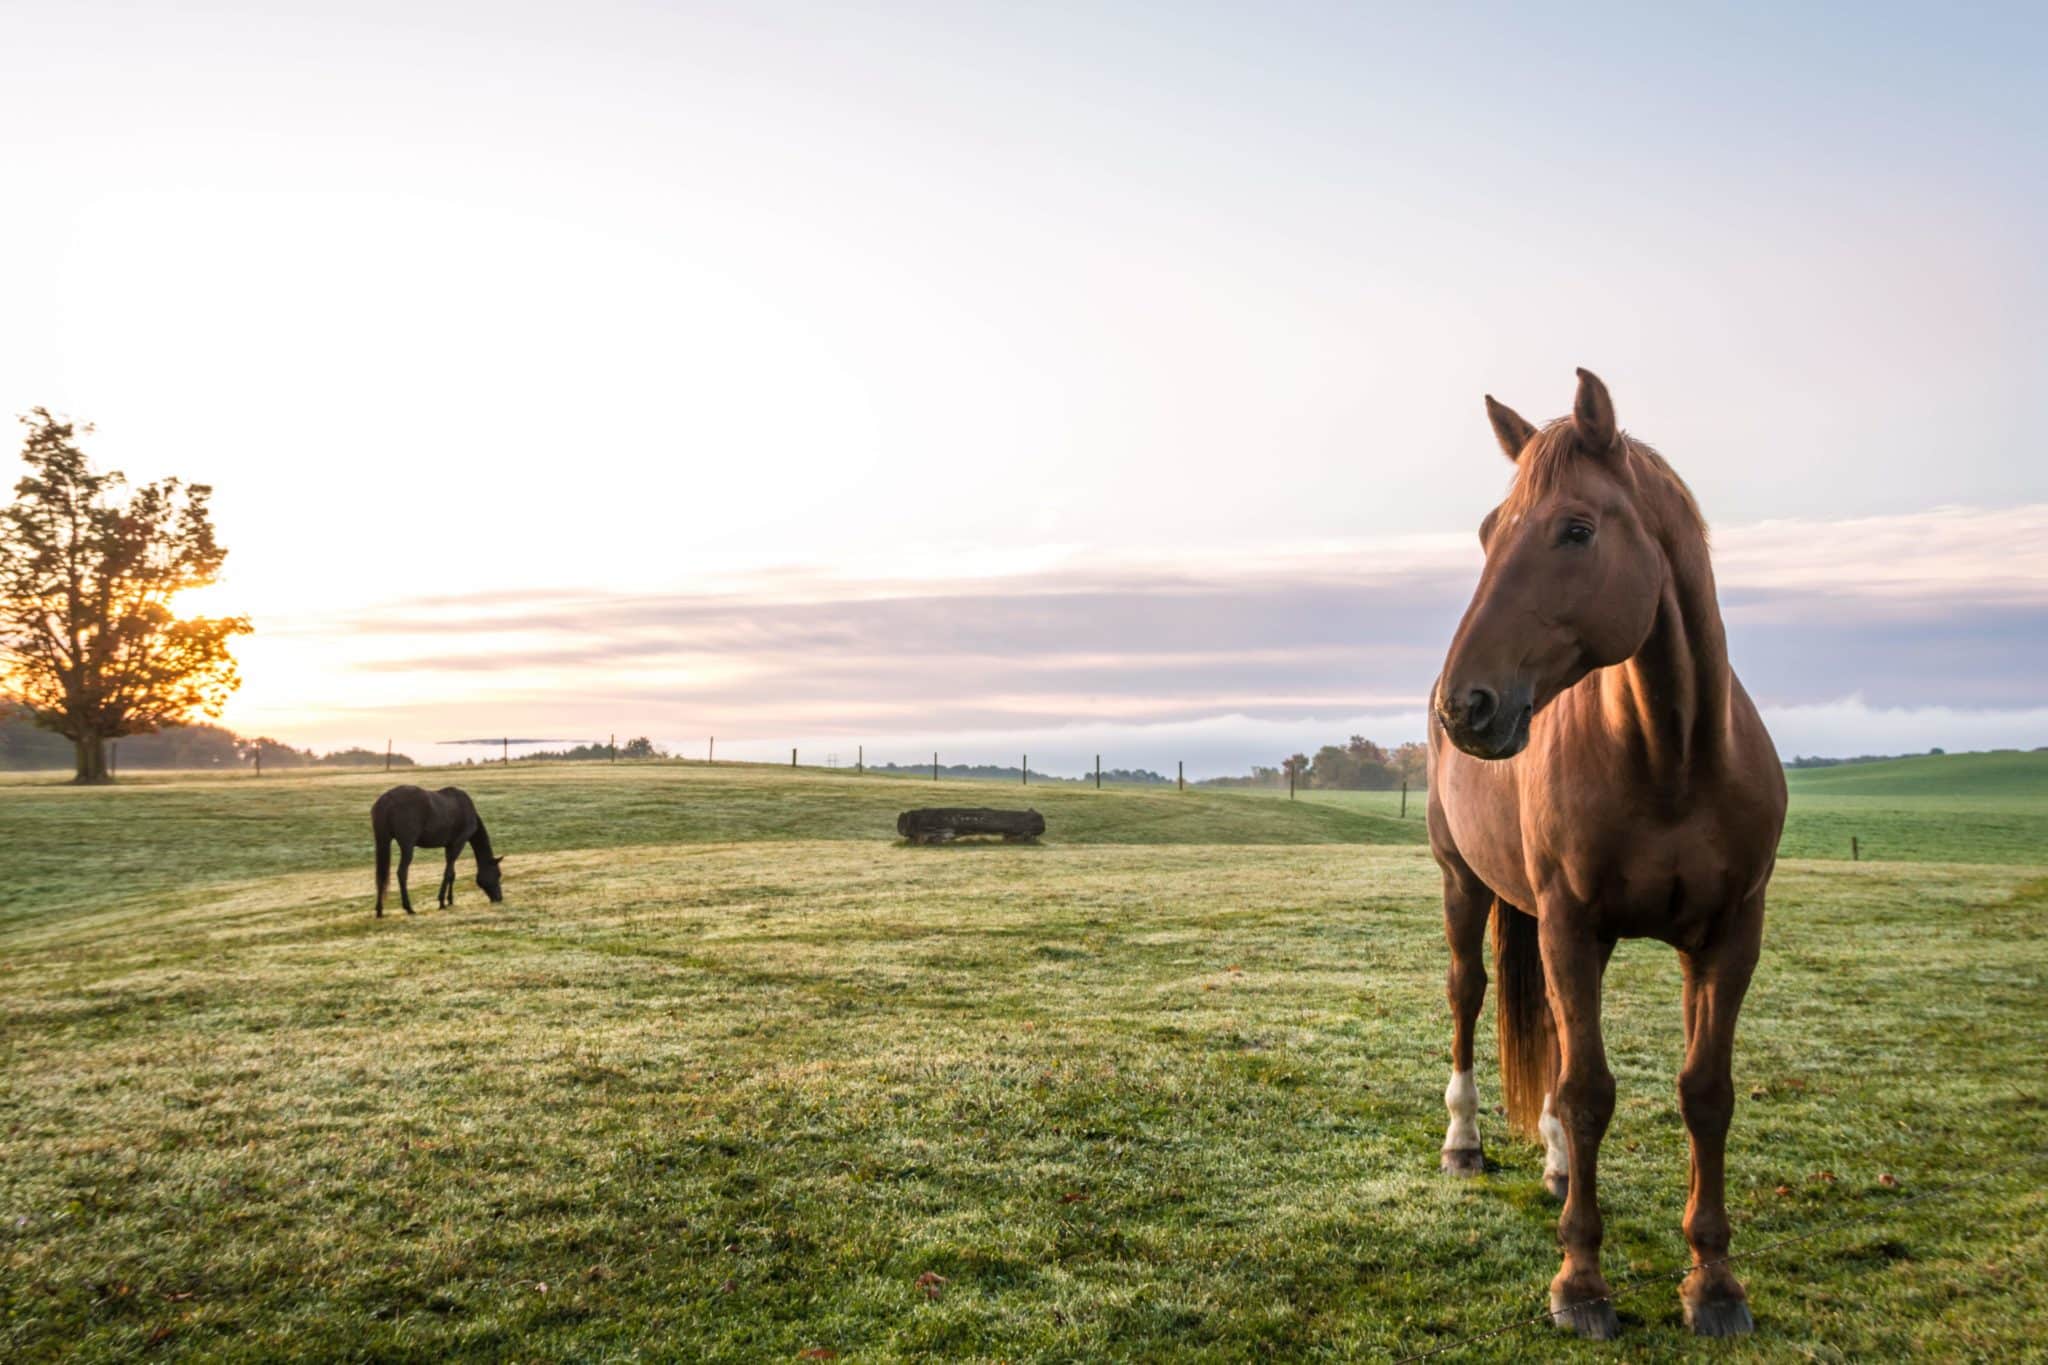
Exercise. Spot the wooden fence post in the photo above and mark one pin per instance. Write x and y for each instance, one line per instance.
(1098, 772)
(711, 750)
(506, 740)
(1855, 852)
(935, 765)
(387, 755)
(1404, 798)
(1027, 770)
(1180, 774)
(1290, 781)
(615, 748)
(860, 760)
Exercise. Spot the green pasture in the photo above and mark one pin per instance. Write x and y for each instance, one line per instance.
(733, 1075)
(1962, 808)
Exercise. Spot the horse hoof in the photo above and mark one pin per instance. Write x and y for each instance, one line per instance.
(1720, 1318)
(1464, 1161)
(1592, 1319)
(1557, 1184)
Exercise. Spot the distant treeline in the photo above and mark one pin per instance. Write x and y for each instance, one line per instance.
(1816, 761)
(1013, 773)
(640, 747)
(24, 746)
(1357, 765)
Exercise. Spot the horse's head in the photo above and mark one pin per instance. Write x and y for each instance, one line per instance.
(1573, 576)
(490, 879)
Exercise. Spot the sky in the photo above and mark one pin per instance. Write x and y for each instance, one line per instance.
(1062, 379)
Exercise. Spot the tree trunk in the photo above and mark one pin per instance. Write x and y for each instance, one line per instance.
(92, 759)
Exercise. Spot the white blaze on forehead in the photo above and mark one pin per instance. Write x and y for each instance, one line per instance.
(1554, 1162)
(1461, 1097)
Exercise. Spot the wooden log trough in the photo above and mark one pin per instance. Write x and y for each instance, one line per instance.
(941, 825)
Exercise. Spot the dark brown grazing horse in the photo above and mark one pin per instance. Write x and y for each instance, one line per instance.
(1597, 773)
(416, 817)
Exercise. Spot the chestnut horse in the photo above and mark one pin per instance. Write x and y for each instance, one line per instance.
(1597, 773)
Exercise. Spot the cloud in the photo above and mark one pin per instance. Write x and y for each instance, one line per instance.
(1938, 619)
(1852, 725)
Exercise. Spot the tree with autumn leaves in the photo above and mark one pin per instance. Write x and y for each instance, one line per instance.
(89, 640)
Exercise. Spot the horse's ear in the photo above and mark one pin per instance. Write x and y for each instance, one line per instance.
(1510, 428)
(1593, 415)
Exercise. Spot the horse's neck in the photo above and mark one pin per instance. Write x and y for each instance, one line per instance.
(1671, 698)
(480, 842)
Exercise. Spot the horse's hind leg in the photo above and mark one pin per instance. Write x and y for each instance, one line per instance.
(1466, 902)
(404, 866)
(1716, 977)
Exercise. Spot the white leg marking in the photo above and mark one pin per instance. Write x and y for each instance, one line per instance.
(1554, 1162)
(1461, 1097)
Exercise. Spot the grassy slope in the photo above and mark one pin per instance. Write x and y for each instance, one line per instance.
(2006, 772)
(1165, 1085)
(1973, 808)
(212, 829)
(1987, 808)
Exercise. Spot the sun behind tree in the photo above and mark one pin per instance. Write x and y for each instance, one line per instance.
(88, 640)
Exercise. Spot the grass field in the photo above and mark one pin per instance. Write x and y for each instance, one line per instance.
(1974, 808)
(733, 1076)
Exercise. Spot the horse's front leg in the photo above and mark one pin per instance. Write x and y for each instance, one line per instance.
(1466, 902)
(1580, 1300)
(1716, 977)
(446, 896)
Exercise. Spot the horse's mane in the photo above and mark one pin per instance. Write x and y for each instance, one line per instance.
(1547, 461)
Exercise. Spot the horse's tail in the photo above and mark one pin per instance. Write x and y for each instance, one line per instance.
(1528, 1035)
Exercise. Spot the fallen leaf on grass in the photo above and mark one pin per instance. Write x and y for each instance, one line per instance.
(1888, 1180)
(1073, 1197)
(1828, 1176)
(818, 1353)
(933, 1284)
(1784, 1191)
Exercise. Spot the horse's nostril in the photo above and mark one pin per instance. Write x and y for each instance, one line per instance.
(1480, 704)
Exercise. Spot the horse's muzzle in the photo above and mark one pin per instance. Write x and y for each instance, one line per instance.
(1484, 722)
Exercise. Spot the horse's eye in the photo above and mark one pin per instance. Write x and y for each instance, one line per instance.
(1577, 533)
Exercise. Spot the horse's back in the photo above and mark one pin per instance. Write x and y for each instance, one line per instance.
(392, 804)
(432, 818)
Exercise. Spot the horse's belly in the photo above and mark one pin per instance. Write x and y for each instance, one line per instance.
(1669, 881)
